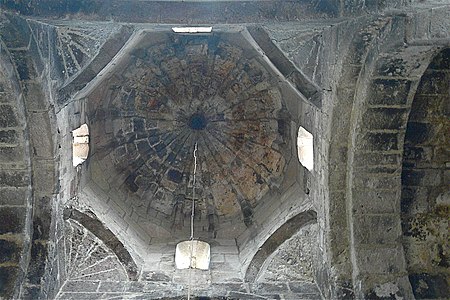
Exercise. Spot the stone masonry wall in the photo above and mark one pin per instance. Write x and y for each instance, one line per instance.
(15, 181)
(425, 199)
(41, 276)
(355, 186)
(377, 160)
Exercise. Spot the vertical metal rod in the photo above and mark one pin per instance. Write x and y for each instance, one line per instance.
(193, 192)
(192, 220)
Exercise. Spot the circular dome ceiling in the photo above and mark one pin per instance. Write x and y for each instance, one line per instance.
(196, 89)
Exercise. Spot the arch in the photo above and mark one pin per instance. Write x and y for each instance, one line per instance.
(374, 169)
(282, 234)
(425, 194)
(361, 46)
(15, 181)
(107, 237)
(42, 244)
(379, 80)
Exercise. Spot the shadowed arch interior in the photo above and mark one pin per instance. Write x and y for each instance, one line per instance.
(425, 196)
(282, 234)
(110, 240)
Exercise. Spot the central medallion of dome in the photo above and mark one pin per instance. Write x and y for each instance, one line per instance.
(197, 121)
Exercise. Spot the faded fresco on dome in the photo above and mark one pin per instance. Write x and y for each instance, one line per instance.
(202, 90)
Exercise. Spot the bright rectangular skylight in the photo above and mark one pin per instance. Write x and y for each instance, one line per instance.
(192, 29)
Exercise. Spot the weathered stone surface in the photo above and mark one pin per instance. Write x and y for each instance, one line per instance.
(428, 177)
(240, 295)
(42, 143)
(299, 287)
(13, 196)
(85, 286)
(8, 277)
(269, 288)
(24, 65)
(8, 116)
(389, 223)
(384, 118)
(35, 97)
(191, 96)
(8, 136)
(418, 133)
(12, 219)
(89, 259)
(438, 25)
(11, 154)
(111, 286)
(77, 296)
(11, 250)
(80, 68)
(389, 92)
(303, 84)
(280, 236)
(5, 97)
(107, 237)
(376, 159)
(294, 259)
(441, 61)
(429, 286)
(424, 216)
(385, 141)
(375, 201)
(382, 261)
(36, 268)
(217, 12)
(241, 189)
(15, 32)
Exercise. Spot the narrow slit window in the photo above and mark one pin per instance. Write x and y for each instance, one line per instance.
(305, 147)
(192, 29)
(80, 144)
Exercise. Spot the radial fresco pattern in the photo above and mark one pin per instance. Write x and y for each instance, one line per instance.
(200, 90)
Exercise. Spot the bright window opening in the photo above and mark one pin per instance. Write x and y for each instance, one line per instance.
(305, 148)
(80, 144)
(192, 29)
(192, 254)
